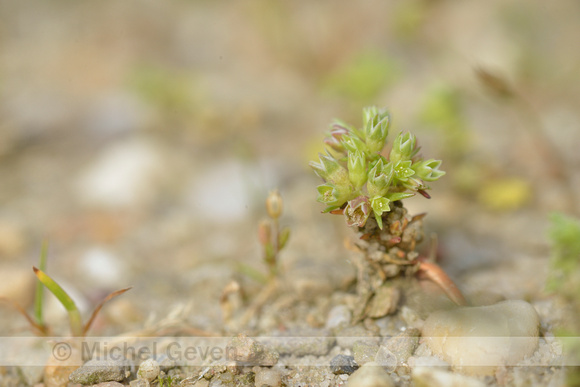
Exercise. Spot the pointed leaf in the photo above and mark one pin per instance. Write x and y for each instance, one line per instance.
(73, 312)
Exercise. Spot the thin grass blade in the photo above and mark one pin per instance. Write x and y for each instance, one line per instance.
(41, 329)
(100, 306)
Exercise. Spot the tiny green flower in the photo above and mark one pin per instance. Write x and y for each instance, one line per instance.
(357, 211)
(379, 205)
(403, 171)
(357, 169)
(404, 147)
(330, 170)
(380, 178)
(353, 144)
(332, 196)
(428, 170)
(376, 131)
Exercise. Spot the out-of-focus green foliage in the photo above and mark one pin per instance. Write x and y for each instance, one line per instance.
(442, 110)
(564, 280)
(362, 77)
(167, 91)
(565, 262)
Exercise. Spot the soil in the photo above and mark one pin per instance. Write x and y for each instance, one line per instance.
(141, 140)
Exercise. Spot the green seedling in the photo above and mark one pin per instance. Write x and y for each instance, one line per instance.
(366, 183)
(78, 329)
(362, 181)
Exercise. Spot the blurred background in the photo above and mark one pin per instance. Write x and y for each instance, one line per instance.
(140, 138)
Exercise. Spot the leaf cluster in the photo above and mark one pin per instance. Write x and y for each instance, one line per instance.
(360, 177)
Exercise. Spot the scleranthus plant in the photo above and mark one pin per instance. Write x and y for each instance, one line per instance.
(363, 181)
(366, 181)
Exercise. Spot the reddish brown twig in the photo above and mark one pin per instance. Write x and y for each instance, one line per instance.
(434, 272)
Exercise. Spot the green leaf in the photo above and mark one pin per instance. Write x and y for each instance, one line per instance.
(73, 312)
(404, 148)
(284, 236)
(394, 196)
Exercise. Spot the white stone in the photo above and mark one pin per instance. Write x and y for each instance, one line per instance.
(102, 267)
(476, 340)
(124, 175)
(370, 375)
(432, 377)
(339, 315)
(148, 370)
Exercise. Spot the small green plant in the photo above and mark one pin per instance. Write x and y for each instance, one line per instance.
(362, 179)
(272, 238)
(78, 329)
(165, 381)
(367, 184)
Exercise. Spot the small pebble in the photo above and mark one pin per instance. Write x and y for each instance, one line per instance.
(248, 351)
(98, 371)
(338, 316)
(343, 364)
(432, 377)
(364, 351)
(109, 384)
(370, 375)
(428, 361)
(148, 370)
(384, 302)
(268, 377)
(303, 342)
(346, 337)
(139, 383)
(476, 340)
(404, 344)
(386, 359)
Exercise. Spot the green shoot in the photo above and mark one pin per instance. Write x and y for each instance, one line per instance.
(75, 321)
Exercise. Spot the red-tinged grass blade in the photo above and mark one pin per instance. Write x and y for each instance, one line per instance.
(38, 298)
(437, 275)
(76, 324)
(40, 329)
(100, 306)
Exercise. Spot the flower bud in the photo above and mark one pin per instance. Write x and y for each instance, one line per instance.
(428, 170)
(380, 178)
(330, 170)
(357, 169)
(404, 147)
(274, 204)
(376, 131)
(332, 196)
(357, 211)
